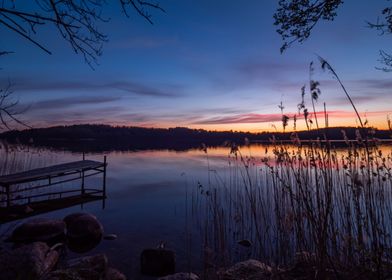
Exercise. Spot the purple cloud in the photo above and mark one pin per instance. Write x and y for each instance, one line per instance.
(132, 87)
(61, 103)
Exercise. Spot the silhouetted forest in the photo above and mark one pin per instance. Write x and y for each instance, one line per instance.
(90, 137)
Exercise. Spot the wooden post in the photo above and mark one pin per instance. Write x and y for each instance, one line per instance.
(83, 191)
(8, 195)
(104, 176)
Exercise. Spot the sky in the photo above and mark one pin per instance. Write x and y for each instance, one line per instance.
(205, 64)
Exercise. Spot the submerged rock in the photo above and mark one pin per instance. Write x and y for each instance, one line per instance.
(181, 276)
(72, 217)
(245, 243)
(114, 274)
(303, 265)
(248, 270)
(91, 268)
(111, 236)
(44, 230)
(30, 261)
(305, 258)
(63, 274)
(158, 262)
(84, 232)
(86, 268)
(96, 263)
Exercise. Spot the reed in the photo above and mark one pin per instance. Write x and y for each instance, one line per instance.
(332, 203)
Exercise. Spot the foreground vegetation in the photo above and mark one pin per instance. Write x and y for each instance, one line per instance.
(333, 204)
(329, 207)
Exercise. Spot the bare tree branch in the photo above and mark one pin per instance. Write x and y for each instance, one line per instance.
(384, 27)
(5, 53)
(9, 111)
(76, 21)
(296, 20)
(140, 7)
(386, 59)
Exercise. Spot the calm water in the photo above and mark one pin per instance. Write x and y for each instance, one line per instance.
(147, 193)
(147, 196)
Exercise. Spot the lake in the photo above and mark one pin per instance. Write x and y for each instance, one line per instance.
(149, 193)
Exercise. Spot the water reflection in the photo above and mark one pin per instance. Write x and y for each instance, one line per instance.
(148, 192)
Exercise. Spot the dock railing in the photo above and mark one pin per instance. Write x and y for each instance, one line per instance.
(32, 187)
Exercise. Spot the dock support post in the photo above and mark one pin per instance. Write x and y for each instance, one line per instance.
(83, 191)
(104, 176)
(8, 195)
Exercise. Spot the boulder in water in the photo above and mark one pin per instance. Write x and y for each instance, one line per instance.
(90, 267)
(43, 230)
(114, 274)
(250, 270)
(157, 262)
(110, 236)
(30, 261)
(84, 232)
(86, 268)
(181, 276)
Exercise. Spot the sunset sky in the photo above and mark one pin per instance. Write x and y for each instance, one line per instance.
(203, 64)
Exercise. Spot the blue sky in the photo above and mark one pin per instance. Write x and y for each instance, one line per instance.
(203, 64)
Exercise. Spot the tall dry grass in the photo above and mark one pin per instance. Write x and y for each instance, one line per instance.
(333, 203)
(16, 158)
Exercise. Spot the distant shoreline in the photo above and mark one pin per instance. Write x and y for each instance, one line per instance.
(321, 140)
(95, 138)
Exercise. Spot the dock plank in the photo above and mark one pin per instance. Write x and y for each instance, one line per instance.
(45, 172)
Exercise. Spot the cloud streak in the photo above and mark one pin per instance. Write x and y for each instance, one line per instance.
(131, 87)
(375, 83)
(263, 69)
(62, 103)
(267, 118)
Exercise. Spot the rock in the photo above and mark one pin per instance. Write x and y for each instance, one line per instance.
(92, 266)
(114, 274)
(248, 270)
(43, 230)
(245, 243)
(84, 232)
(181, 276)
(110, 237)
(69, 274)
(87, 268)
(157, 262)
(304, 257)
(30, 261)
(304, 265)
(63, 274)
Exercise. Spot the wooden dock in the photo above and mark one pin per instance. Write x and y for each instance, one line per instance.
(17, 190)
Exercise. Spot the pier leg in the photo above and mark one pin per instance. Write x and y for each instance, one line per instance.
(8, 195)
(83, 191)
(104, 176)
(104, 183)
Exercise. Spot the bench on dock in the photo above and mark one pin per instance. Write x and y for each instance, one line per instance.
(16, 189)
